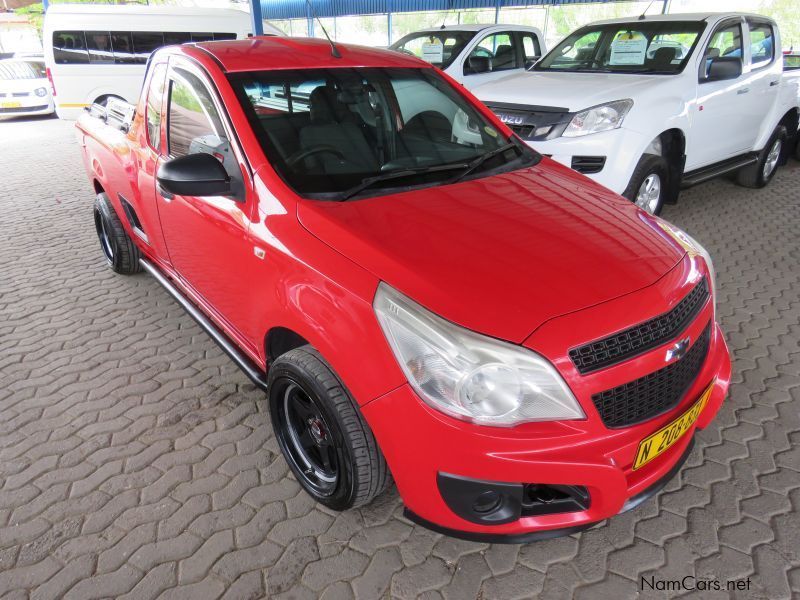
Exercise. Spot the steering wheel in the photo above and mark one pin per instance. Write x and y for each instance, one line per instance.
(321, 149)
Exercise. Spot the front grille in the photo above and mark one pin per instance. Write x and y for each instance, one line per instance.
(533, 123)
(640, 338)
(653, 394)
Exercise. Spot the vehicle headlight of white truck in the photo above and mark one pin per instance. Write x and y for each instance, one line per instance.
(598, 118)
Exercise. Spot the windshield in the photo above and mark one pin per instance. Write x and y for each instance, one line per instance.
(662, 47)
(337, 133)
(440, 48)
(22, 69)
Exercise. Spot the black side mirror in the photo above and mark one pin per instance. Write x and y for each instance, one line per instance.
(722, 68)
(479, 64)
(194, 175)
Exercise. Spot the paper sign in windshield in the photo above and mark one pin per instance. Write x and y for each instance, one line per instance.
(433, 51)
(628, 49)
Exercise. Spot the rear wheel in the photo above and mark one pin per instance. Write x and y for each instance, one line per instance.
(761, 172)
(649, 183)
(120, 252)
(324, 438)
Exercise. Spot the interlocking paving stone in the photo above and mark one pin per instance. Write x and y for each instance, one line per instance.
(134, 461)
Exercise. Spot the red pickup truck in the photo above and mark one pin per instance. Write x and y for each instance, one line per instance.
(421, 295)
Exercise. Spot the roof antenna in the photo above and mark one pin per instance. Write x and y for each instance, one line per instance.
(641, 16)
(334, 50)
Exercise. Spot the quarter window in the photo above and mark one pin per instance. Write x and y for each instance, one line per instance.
(155, 96)
(762, 44)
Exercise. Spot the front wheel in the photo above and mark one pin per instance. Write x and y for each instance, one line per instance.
(761, 172)
(649, 183)
(322, 434)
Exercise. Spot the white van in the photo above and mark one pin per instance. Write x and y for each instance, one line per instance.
(96, 52)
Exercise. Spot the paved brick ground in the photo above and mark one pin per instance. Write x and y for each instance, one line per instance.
(133, 461)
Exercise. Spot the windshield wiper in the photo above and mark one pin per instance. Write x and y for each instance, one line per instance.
(477, 162)
(370, 181)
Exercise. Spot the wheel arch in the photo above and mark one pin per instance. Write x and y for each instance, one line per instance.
(671, 144)
(280, 340)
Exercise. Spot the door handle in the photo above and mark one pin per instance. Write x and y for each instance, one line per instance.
(743, 91)
(773, 83)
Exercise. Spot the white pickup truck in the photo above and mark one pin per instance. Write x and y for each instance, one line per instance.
(648, 105)
(475, 54)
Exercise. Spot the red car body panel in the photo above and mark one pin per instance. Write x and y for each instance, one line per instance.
(541, 257)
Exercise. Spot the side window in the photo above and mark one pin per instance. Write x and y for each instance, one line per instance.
(499, 49)
(99, 46)
(122, 44)
(531, 48)
(193, 122)
(69, 47)
(726, 41)
(155, 94)
(762, 44)
(144, 43)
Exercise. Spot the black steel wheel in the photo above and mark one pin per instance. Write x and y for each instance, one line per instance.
(118, 248)
(329, 446)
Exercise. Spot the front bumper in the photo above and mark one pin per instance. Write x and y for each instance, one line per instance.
(27, 106)
(621, 148)
(419, 443)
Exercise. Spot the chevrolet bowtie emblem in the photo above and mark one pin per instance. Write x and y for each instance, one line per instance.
(678, 351)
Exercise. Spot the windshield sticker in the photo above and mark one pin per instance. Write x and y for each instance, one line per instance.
(490, 131)
(433, 51)
(628, 48)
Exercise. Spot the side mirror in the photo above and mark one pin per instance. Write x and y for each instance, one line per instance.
(479, 64)
(194, 175)
(722, 68)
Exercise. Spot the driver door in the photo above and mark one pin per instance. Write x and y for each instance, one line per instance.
(206, 237)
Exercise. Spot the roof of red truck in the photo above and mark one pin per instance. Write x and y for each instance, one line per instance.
(273, 52)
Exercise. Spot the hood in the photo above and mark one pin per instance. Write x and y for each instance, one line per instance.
(503, 254)
(571, 91)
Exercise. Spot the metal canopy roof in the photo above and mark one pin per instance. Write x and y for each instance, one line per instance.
(298, 9)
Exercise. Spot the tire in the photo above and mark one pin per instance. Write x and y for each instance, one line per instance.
(652, 172)
(797, 146)
(322, 434)
(761, 172)
(120, 252)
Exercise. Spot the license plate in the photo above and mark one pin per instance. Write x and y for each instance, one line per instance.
(656, 444)
(10, 104)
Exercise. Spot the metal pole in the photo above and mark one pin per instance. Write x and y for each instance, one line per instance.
(497, 11)
(255, 17)
(665, 7)
(45, 5)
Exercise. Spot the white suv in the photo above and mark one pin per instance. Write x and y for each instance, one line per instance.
(475, 54)
(646, 106)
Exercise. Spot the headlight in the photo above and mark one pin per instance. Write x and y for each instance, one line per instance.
(468, 375)
(598, 118)
(694, 248)
(40, 91)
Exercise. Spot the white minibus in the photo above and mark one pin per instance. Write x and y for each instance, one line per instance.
(96, 52)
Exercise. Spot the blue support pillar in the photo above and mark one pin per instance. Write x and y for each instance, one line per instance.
(45, 5)
(255, 17)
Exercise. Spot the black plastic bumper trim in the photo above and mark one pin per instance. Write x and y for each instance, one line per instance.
(498, 538)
